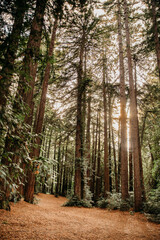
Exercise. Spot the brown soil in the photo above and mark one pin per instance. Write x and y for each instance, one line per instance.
(49, 220)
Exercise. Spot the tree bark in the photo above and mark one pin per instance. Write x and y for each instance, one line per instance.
(30, 68)
(130, 161)
(40, 118)
(123, 116)
(98, 176)
(106, 157)
(31, 59)
(88, 142)
(58, 169)
(79, 125)
(115, 160)
(133, 120)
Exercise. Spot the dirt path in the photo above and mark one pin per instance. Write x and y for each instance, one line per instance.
(49, 220)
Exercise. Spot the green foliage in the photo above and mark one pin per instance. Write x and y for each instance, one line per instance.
(5, 205)
(74, 201)
(152, 206)
(114, 202)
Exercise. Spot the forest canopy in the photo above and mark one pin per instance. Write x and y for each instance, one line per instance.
(80, 102)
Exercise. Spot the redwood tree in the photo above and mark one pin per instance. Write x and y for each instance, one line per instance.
(133, 119)
(123, 116)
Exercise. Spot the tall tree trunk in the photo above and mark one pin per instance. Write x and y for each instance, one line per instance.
(93, 161)
(110, 140)
(119, 155)
(64, 188)
(88, 142)
(123, 116)
(115, 160)
(139, 144)
(106, 157)
(31, 59)
(79, 125)
(133, 120)
(98, 176)
(130, 161)
(54, 161)
(38, 128)
(30, 65)
(58, 169)
(30, 68)
(40, 118)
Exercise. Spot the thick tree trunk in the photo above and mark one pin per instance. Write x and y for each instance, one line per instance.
(40, 118)
(30, 68)
(133, 121)
(139, 143)
(30, 65)
(31, 59)
(123, 116)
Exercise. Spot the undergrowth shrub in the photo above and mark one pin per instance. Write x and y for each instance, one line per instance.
(114, 202)
(152, 206)
(74, 201)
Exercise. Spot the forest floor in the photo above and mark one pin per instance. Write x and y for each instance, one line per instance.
(50, 220)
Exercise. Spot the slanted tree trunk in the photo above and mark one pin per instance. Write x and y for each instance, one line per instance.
(40, 118)
(38, 128)
(133, 120)
(123, 116)
(30, 68)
